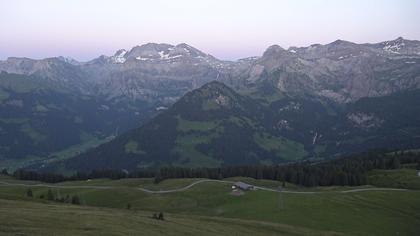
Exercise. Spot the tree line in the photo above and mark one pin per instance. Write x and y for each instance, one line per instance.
(348, 171)
(24, 174)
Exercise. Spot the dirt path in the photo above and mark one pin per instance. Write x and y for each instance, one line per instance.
(184, 188)
(3, 183)
(374, 189)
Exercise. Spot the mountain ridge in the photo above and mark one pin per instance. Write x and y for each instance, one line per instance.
(340, 70)
(399, 39)
(282, 85)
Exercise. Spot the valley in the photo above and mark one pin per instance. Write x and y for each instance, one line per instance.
(300, 103)
(209, 118)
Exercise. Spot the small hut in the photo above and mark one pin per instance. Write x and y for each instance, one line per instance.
(242, 186)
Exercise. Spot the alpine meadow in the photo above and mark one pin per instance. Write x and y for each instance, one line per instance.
(235, 135)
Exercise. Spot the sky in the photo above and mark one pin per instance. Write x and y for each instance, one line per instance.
(227, 29)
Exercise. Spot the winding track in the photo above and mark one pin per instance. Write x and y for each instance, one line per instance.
(186, 187)
(3, 184)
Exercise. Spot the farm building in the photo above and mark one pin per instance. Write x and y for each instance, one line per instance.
(242, 186)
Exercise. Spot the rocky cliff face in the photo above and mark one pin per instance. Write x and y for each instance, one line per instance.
(155, 71)
(341, 71)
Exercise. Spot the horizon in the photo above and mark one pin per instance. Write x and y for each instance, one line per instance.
(227, 30)
(259, 55)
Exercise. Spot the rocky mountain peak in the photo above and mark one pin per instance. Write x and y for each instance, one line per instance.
(342, 43)
(394, 46)
(341, 70)
(213, 95)
(69, 60)
(119, 56)
(210, 89)
(274, 50)
(190, 50)
(120, 53)
(399, 39)
(400, 46)
(215, 85)
(154, 52)
(147, 51)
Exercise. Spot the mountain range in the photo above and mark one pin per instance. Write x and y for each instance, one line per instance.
(289, 104)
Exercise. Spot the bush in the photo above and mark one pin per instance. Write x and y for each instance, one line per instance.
(29, 193)
(160, 217)
(75, 200)
(4, 172)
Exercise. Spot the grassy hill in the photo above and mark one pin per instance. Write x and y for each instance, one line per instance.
(328, 209)
(30, 218)
(210, 126)
(399, 178)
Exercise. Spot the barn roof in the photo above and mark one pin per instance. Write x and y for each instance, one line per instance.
(243, 185)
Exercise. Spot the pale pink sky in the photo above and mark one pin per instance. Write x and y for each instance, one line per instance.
(85, 29)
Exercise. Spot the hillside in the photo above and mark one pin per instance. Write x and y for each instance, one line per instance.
(43, 119)
(208, 207)
(216, 126)
(31, 218)
(207, 127)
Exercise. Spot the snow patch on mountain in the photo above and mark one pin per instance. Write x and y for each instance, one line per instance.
(69, 60)
(167, 56)
(143, 58)
(393, 46)
(119, 56)
(162, 56)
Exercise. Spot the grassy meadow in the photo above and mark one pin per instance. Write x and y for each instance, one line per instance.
(209, 208)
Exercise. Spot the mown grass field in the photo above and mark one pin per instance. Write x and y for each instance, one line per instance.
(34, 218)
(328, 210)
